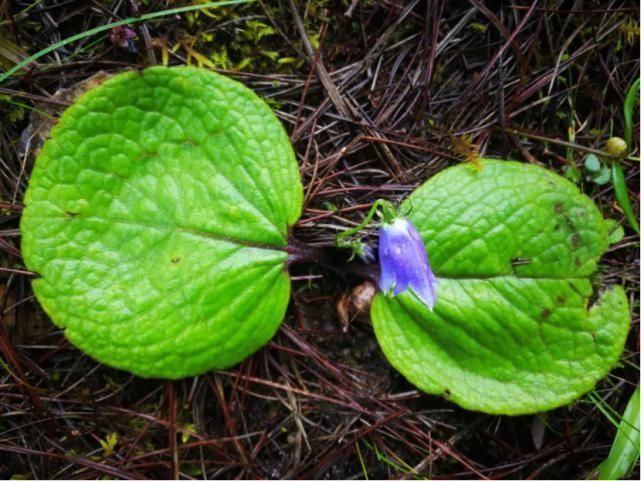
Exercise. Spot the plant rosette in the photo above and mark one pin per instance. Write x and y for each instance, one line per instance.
(157, 218)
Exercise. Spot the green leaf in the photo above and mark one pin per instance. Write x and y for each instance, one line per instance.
(573, 174)
(157, 217)
(602, 177)
(615, 232)
(625, 448)
(186, 432)
(592, 163)
(513, 247)
(109, 444)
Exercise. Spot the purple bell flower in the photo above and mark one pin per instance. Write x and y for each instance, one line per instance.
(404, 263)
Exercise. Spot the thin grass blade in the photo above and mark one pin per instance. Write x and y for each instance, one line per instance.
(625, 448)
(109, 26)
(628, 109)
(621, 193)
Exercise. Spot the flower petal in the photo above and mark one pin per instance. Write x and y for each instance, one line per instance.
(423, 281)
(388, 272)
(404, 262)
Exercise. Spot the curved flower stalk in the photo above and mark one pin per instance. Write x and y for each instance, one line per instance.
(403, 260)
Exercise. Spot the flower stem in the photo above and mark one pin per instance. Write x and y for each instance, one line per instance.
(389, 213)
(331, 258)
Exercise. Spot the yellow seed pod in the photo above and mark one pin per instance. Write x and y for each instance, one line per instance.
(616, 147)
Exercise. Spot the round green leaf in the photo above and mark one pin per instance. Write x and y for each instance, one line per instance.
(602, 177)
(516, 327)
(157, 217)
(592, 163)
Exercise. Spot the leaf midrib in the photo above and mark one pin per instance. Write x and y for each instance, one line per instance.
(173, 227)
